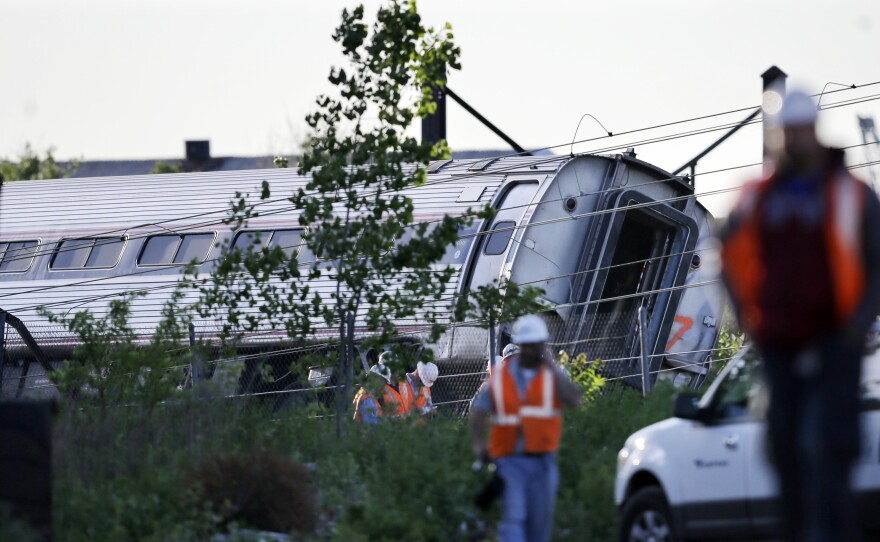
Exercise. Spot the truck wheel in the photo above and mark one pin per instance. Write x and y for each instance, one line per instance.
(645, 517)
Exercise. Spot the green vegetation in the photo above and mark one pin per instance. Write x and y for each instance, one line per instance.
(138, 458)
(31, 166)
(130, 474)
(360, 226)
(111, 366)
(141, 455)
(584, 372)
(163, 166)
(588, 459)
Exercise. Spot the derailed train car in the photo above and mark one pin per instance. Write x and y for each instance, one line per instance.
(611, 240)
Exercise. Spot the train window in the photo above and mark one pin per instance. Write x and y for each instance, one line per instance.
(99, 252)
(194, 247)
(410, 232)
(17, 257)
(105, 253)
(72, 254)
(255, 239)
(456, 253)
(159, 250)
(500, 238)
(179, 249)
(287, 240)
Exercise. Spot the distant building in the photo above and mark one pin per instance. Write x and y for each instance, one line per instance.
(198, 158)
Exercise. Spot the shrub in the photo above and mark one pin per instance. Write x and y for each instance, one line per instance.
(587, 459)
(111, 365)
(584, 373)
(123, 473)
(260, 488)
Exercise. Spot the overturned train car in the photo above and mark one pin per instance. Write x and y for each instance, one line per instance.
(622, 250)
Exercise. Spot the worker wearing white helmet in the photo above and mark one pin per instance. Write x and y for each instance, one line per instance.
(367, 408)
(801, 260)
(415, 390)
(524, 398)
(508, 353)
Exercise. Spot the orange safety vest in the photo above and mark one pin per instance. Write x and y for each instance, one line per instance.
(538, 416)
(395, 398)
(359, 398)
(424, 399)
(741, 253)
(412, 399)
(391, 397)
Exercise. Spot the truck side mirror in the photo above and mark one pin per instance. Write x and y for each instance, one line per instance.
(687, 407)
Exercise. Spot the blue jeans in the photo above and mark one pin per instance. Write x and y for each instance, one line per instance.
(529, 500)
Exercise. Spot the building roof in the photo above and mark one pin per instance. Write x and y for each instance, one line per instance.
(116, 168)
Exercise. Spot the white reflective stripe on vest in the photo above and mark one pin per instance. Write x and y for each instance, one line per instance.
(505, 420)
(538, 412)
(497, 387)
(388, 390)
(546, 409)
(549, 388)
(407, 391)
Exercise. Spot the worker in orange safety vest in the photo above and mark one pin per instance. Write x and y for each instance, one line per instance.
(415, 389)
(801, 260)
(367, 409)
(510, 352)
(524, 398)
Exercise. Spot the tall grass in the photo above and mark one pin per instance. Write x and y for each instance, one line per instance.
(126, 473)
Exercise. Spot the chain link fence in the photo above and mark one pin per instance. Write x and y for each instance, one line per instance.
(24, 369)
(270, 368)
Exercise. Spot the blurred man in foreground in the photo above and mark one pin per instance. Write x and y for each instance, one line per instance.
(525, 397)
(801, 259)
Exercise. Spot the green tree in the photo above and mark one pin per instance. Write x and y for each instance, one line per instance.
(360, 221)
(112, 365)
(163, 166)
(31, 166)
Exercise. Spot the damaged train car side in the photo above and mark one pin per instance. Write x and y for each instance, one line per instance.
(610, 239)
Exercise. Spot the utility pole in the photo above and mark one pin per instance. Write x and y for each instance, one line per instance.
(434, 125)
(771, 102)
(872, 147)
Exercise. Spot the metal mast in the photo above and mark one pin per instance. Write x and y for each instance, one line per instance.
(872, 147)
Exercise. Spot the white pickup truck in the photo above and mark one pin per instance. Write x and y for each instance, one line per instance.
(704, 475)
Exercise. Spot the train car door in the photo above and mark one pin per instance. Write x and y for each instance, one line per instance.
(495, 240)
(642, 265)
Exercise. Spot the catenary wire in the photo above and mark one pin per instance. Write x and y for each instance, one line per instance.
(491, 172)
(592, 213)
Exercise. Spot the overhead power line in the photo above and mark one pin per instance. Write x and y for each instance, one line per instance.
(174, 283)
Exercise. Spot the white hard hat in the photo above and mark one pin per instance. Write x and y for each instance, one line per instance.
(383, 371)
(386, 356)
(509, 350)
(428, 373)
(798, 109)
(530, 329)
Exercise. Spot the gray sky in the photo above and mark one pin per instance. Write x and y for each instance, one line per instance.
(106, 79)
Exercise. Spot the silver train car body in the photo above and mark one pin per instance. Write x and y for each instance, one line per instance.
(603, 236)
